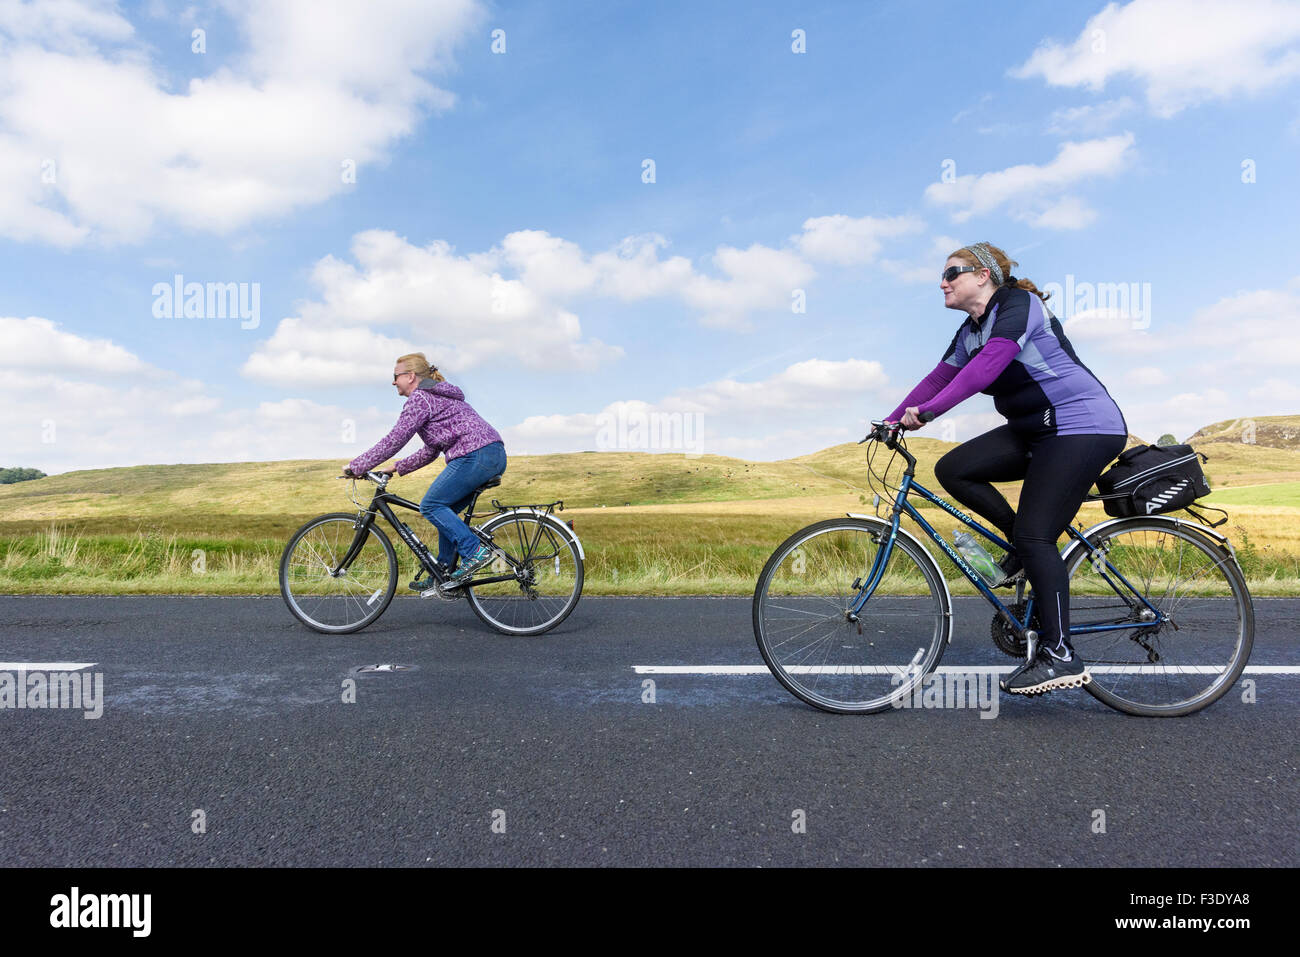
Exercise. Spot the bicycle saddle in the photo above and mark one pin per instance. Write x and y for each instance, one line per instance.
(490, 483)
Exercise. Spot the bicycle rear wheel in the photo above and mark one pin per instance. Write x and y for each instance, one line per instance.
(1157, 669)
(330, 599)
(545, 560)
(821, 654)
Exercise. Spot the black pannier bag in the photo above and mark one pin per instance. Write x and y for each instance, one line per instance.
(1152, 479)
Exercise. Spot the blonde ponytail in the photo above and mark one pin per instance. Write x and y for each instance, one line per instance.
(417, 363)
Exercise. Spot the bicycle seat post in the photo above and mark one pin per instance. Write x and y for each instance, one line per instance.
(473, 502)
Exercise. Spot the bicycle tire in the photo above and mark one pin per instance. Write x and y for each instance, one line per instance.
(835, 666)
(1162, 671)
(337, 605)
(547, 559)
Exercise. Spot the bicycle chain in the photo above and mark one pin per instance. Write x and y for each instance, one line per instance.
(1007, 638)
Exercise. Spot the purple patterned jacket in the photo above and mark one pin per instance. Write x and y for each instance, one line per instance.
(439, 414)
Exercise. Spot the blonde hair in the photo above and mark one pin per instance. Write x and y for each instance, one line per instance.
(417, 363)
(1004, 262)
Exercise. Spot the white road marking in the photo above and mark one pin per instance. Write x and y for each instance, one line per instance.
(46, 665)
(942, 669)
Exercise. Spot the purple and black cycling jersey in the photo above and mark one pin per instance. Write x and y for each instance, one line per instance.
(1017, 352)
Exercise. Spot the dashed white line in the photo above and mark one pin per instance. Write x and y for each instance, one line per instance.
(943, 669)
(46, 665)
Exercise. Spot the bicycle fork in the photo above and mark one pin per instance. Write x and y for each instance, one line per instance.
(874, 575)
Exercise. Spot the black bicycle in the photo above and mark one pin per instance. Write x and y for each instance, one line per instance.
(850, 614)
(339, 571)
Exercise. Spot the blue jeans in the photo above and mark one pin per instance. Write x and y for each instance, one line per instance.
(450, 494)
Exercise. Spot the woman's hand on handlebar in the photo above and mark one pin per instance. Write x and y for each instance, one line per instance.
(348, 473)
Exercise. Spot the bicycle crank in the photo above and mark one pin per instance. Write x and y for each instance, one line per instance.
(1007, 636)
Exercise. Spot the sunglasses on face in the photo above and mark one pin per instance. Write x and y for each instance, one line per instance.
(398, 375)
(952, 272)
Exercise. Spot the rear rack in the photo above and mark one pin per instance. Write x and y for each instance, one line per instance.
(544, 508)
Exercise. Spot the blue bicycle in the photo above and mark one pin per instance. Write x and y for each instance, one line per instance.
(850, 614)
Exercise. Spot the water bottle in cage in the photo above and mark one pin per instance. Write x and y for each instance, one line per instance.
(977, 558)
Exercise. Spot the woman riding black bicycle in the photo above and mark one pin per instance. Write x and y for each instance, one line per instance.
(437, 411)
(1062, 429)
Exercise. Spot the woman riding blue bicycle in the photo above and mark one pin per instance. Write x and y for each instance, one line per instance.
(1062, 430)
(437, 411)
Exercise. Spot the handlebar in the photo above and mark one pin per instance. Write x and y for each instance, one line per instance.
(379, 477)
(888, 432)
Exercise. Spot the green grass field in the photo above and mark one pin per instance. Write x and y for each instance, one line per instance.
(1282, 494)
(650, 524)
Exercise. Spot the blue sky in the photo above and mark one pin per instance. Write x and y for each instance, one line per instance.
(500, 220)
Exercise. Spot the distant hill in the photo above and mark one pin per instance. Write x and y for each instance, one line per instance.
(1270, 431)
(585, 479)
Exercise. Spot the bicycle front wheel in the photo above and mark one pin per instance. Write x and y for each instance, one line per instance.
(1152, 667)
(818, 649)
(544, 562)
(329, 598)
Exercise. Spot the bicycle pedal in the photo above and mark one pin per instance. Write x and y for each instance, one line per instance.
(444, 594)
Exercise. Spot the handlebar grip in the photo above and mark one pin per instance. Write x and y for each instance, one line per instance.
(927, 416)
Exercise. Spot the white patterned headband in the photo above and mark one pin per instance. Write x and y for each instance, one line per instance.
(981, 252)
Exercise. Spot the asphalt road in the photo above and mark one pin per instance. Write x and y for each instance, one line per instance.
(225, 739)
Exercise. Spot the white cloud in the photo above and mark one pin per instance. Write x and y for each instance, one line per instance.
(73, 402)
(1180, 414)
(1232, 358)
(1147, 376)
(552, 266)
(1090, 119)
(64, 25)
(39, 345)
(304, 356)
(1183, 51)
(468, 309)
(1272, 392)
(1033, 193)
(1254, 330)
(927, 270)
(461, 312)
(805, 407)
(808, 385)
(1068, 212)
(633, 270)
(1113, 330)
(758, 278)
(847, 241)
(94, 143)
(787, 443)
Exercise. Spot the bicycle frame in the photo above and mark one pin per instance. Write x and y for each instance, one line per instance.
(382, 504)
(904, 507)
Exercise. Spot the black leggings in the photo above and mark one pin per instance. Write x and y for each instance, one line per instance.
(1058, 471)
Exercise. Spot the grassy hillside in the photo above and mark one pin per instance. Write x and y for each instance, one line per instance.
(305, 487)
(190, 495)
(1273, 431)
(651, 523)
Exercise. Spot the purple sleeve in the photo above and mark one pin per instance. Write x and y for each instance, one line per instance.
(926, 389)
(413, 416)
(975, 376)
(417, 459)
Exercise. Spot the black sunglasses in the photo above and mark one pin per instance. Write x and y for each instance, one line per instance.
(952, 272)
